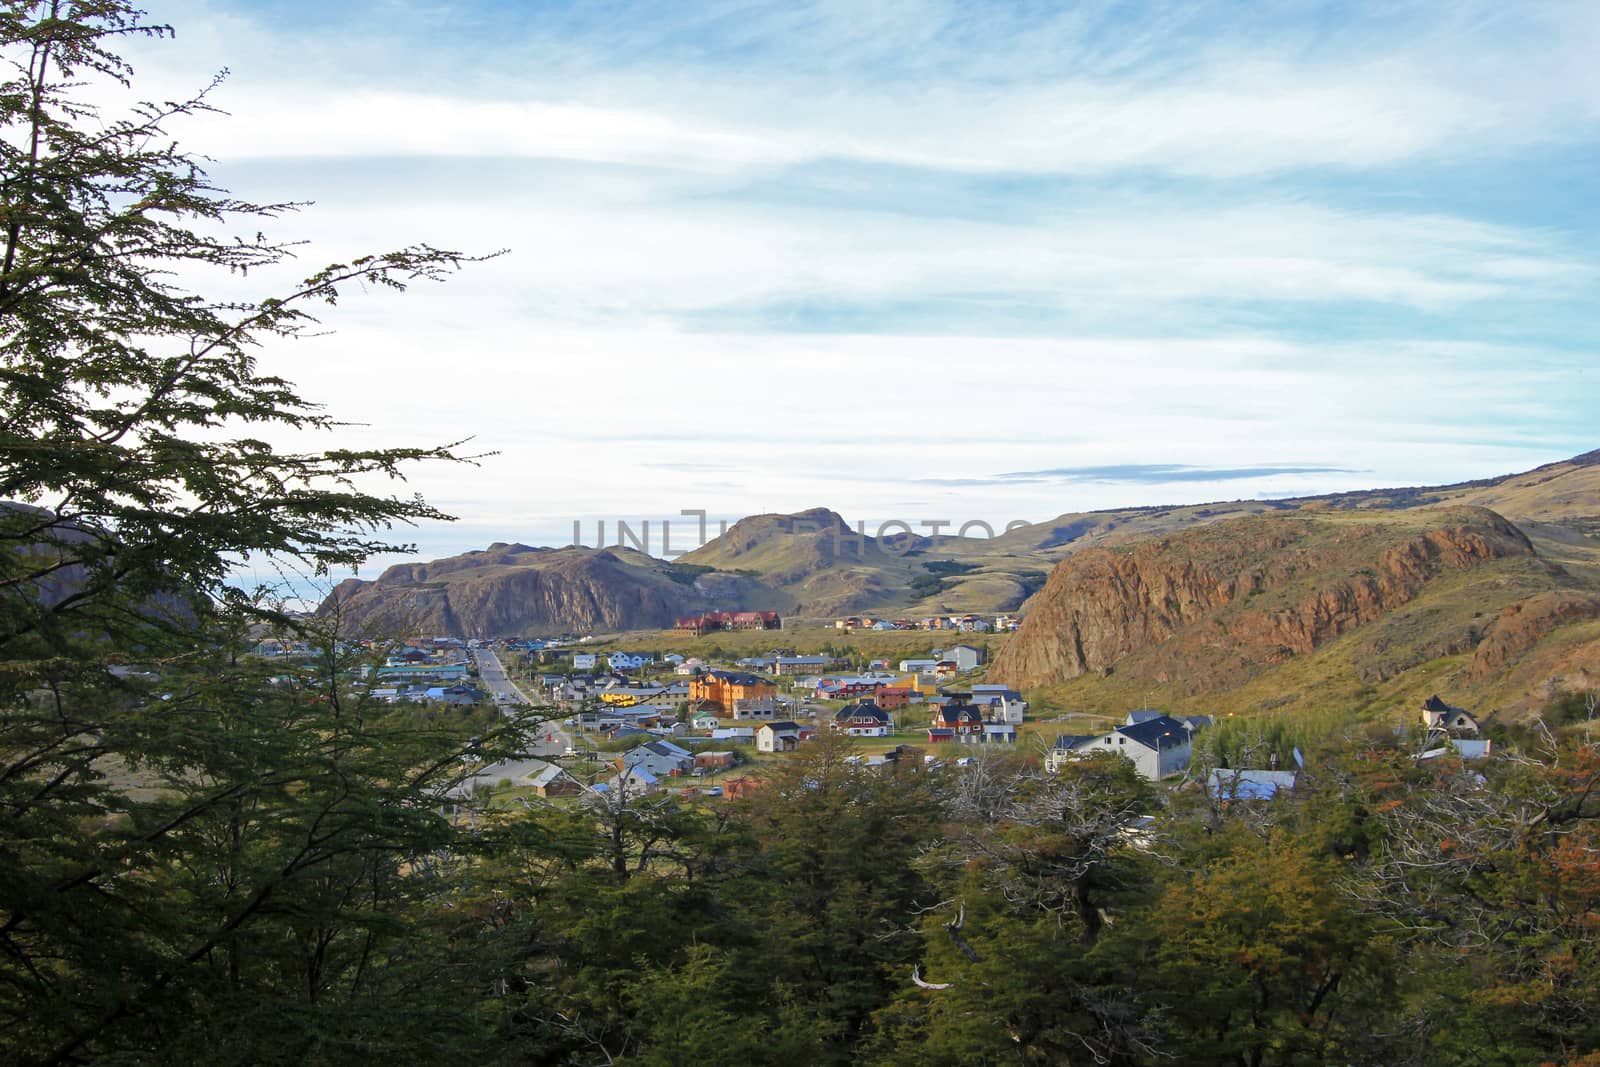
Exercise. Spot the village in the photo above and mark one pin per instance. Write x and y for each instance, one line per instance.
(627, 722)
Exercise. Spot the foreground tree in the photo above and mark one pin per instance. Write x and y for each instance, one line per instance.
(197, 858)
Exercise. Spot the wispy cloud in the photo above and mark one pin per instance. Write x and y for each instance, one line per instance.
(765, 255)
(1160, 473)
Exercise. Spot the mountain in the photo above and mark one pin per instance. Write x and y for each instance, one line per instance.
(515, 590)
(1319, 606)
(814, 564)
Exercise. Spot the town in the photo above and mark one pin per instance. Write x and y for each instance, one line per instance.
(632, 722)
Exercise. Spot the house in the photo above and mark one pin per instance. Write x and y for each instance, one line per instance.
(584, 661)
(1437, 715)
(705, 720)
(892, 698)
(1158, 747)
(755, 708)
(739, 735)
(1011, 709)
(865, 719)
(553, 781)
(716, 689)
(713, 621)
(999, 733)
(965, 657)
(636, 781)
(792, 665)
(1000, 703)
(628, 661)
(672, 658)
(778, 737)
(661, 758)
(713, 761)
(918, 666)
(1228, 784)
(955, 720)
(1066, 748)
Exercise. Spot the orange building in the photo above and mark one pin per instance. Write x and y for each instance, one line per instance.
(719, 689)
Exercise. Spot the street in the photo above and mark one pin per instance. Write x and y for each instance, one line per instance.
(550, 741)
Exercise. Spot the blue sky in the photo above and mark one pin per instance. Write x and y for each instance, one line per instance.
(885, 256)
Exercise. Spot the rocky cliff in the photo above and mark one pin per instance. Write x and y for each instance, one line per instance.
(513, 590)
(1211, 606)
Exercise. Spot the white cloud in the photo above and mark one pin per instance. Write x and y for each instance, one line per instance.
(650, 188)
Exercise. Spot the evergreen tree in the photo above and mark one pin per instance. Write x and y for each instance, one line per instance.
(202, 856)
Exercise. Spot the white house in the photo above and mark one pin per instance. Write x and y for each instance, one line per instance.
(864, 719)
(778, 737)
(1437, 715)
(1158, 747)
(628, 661)
(584, 661)
(919, 666)
(965, 657)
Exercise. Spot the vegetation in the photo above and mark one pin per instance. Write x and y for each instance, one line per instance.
(211, 858)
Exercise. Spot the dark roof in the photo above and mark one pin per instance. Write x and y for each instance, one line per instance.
(1146, 733)
(1434, 704)
(864, 710)
(785, 725)
(736, 677)
(950, 714)
(1071, 741)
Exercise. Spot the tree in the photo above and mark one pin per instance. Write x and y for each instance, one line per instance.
(202, 855)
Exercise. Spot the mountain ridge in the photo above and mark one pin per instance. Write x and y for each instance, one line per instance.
(814, 564)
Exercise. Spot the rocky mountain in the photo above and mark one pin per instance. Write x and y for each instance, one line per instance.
(514, 590)
(1319, 606)
(815, 564)
(1259, 590)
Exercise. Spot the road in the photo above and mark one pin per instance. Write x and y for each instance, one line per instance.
(551, 741)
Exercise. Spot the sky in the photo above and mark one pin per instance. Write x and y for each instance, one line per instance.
(919, 260)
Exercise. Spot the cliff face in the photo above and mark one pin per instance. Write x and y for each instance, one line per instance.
(1209, 607)
(514, 590)
(1522, 625)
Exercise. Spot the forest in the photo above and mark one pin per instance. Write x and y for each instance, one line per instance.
(206, 857)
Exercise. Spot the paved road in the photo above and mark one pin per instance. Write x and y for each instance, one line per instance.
(551, 742)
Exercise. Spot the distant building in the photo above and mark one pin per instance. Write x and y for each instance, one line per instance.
(792, 665)
(1158, 747)
(552, 781)
(778, 737)
(713, 621)
(965, 657)
(865, 719)
(1437, 715)
(720, 690)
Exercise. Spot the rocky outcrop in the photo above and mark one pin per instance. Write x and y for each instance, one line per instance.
(1522, 625)
(1225, 600)
(512, 590)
